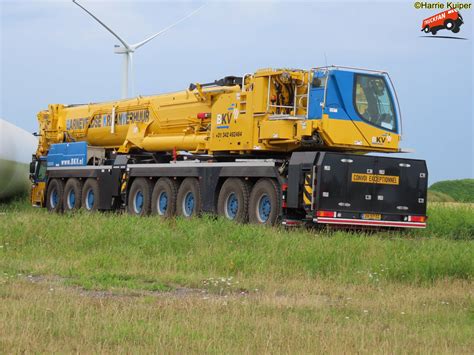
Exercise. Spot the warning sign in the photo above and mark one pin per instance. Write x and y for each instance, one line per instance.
(375, 179)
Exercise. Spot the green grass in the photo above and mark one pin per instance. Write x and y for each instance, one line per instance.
(107, 282)
(106, 250)
(452, 191)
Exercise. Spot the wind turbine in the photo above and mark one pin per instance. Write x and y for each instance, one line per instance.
(128, 49)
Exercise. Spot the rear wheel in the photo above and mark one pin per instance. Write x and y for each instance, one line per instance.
(90, 195)
(265, 202)
(55, 195)
(72, 195)
(163, 198)
(189, 198)
(234, 200)
(139, 197)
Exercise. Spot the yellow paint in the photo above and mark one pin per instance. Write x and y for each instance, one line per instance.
(376, 179)
(242, 120)
(38, 193)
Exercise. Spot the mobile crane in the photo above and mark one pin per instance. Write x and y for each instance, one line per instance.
(277, 145)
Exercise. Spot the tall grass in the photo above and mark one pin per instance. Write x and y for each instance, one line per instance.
(114, 250)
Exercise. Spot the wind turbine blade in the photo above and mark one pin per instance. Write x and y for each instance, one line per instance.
(103, 24)
(139, 44)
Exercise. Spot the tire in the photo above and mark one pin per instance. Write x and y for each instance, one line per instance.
(54, 195)
(163, 198)
(189, 198)
(426, 29)
(433, 32)
(90, 195)
(449, 24)
(72, 195)
(139, 197)
(455, 29)
(233, 200)
(265, 202)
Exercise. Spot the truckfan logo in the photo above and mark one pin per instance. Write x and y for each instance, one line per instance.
(449, 19)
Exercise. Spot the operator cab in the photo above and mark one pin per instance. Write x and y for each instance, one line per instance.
(358, 107)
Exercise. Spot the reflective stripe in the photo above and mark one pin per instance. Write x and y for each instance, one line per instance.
(362, 222)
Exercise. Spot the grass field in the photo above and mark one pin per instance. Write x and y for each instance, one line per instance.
(452, 191)
(109, 282)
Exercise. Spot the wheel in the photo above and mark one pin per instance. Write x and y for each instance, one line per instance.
(265, 202)
(189, 198)
(455, 29)
(72, 195)
(139, 197)
(90, 195)
(433, 32)
(426, 29)
(449, 24)
(163, 198)
(233, 200)
(54, 195)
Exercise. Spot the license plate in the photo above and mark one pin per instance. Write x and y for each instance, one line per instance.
(372, 216)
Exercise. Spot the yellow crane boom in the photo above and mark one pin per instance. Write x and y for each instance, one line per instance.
(271, 110)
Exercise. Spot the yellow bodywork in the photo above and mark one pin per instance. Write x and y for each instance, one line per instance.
(229, 119)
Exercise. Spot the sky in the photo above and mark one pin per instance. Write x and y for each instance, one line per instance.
(52, 52)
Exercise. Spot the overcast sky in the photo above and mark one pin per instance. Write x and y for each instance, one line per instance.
(52, 52)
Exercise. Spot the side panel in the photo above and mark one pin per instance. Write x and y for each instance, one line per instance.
(67, 154)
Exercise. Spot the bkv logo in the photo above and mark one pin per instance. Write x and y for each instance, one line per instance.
(223, 120)
(449, 19)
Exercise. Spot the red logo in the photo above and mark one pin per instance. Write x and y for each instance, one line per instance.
(450, 20)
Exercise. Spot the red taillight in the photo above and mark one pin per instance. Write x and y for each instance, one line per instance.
(284, 187)
(420, 219)
(326, 214)
(203, 115)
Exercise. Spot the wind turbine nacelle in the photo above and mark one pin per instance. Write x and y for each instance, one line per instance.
(122, 50)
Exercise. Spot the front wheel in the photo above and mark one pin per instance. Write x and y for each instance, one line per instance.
(449, 24)
(265, 202)
(426, 29)
(55, 195)
(455, 29)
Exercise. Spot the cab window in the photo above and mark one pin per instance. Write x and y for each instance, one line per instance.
(42, 170)
(374, 103)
